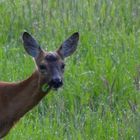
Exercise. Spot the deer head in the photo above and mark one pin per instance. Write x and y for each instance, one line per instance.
(50, 65)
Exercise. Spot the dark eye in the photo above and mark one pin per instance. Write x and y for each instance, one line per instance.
(62, 66)
(42, 67)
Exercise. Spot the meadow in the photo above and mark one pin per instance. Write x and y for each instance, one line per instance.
(100, 99)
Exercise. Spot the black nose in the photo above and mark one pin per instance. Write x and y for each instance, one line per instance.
(56, 82)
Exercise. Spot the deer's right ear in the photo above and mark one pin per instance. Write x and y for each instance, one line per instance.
(69, 46)
(30, 44)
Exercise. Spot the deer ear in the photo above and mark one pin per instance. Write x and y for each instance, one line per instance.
(69, 45)
(30, 44)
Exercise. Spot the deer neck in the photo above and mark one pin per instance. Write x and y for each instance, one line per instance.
(31, 93)
(16, 99)
(32, 86)
(21, 97)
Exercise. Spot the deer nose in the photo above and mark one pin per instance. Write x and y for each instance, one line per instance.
(56, 82)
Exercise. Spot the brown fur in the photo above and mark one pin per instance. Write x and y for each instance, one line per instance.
(18, 98)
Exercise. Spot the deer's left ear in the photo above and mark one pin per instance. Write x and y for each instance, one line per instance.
(69, 46)
(30, 44)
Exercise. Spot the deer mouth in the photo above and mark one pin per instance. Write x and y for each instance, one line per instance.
(55, 84)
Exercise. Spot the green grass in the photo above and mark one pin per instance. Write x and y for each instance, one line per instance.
(101, 95)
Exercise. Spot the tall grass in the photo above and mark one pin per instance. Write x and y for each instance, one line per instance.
(101, 95)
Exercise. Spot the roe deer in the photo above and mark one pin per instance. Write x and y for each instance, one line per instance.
(16, 99)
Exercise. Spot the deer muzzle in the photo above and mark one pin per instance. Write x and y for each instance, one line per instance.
(56, 83)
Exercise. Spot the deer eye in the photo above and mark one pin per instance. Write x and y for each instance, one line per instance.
(42, 67)
(62, 66)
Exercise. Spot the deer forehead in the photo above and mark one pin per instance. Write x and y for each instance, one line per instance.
(50, 57)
